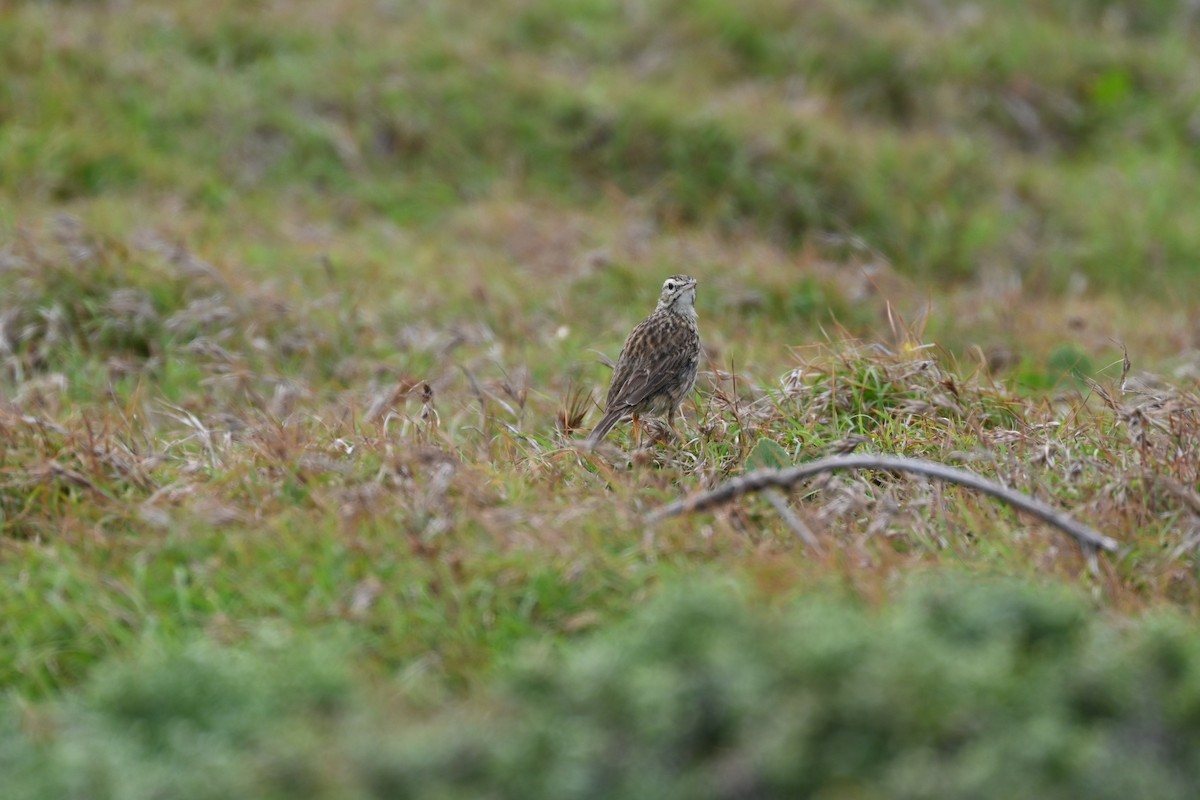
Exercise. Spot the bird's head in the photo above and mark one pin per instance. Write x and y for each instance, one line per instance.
(678, 295)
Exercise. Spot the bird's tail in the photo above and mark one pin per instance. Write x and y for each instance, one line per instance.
(610, 418)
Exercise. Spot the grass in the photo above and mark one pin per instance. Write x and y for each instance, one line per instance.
(300, 311)
(973, 686)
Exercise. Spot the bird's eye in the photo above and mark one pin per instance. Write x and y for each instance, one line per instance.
(670, 284)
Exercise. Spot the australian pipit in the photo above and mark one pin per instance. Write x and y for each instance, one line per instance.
(657, 366)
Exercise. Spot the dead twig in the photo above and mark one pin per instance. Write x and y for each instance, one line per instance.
(765, 479)
(777, 499)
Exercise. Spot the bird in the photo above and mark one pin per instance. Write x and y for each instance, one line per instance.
(657, 366)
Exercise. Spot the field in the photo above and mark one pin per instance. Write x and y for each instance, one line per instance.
(304, 307)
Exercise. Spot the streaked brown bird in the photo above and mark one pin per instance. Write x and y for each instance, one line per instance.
(657, 366)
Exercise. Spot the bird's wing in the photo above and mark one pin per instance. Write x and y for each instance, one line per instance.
(638, 379)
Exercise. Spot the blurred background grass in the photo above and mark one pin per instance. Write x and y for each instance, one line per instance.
(1051, 141)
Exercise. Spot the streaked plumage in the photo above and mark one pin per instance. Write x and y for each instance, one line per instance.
(657, 366)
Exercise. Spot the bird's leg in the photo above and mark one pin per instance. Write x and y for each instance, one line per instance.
(671, 425)
(637, 432)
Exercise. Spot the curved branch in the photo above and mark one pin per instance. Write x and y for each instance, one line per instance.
(762, 479)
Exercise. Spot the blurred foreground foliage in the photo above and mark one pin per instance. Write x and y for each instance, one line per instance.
(986, 689)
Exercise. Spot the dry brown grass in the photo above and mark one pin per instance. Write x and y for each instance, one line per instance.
(287, 452)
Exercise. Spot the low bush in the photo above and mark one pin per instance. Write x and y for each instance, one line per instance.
(965, 688)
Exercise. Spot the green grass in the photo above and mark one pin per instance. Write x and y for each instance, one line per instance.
(941, 142)
(301, 310)
(975, 686)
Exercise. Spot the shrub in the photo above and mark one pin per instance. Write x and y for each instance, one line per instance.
(960, 689)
